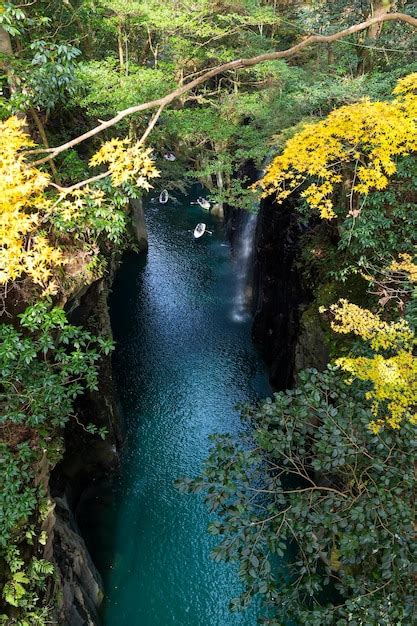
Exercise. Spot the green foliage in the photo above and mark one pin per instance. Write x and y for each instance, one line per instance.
(12, 18)
(333, 15)
(46, 78)
(44, 372)
(104, 90)
(72, 167)
(389, 219)
(51, 77)
(171, 43)
(101, 216)
(18, 497)
(317, 511)
(23, 588)
(44, 366)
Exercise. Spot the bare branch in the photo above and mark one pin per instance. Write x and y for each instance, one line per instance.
(232, 65)
(82, 183)
(315, 488)
(151, 125)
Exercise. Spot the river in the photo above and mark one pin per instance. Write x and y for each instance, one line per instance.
(182, 363)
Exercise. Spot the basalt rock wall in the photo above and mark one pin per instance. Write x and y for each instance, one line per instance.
(87, 459)
(278, 292)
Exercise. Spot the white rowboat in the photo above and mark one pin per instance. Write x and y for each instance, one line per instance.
(163, 196)
(199, 230)
(205, 204)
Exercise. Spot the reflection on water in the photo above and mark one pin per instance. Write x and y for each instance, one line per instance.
(182, 364)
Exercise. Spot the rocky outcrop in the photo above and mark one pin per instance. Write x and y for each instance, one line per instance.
(138, 224)
(287, 327)
(311, 349)
(87, 459)
(81, 586)
(278, 290)
(100, 407)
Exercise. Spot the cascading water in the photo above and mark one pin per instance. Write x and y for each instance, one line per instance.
(243, 257)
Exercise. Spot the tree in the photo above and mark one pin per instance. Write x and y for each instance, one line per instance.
(315, 509)
(45, 364)
(211, 73)
(32, 222)
(355, 145)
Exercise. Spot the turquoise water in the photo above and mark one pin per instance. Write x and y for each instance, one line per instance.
(181, 365)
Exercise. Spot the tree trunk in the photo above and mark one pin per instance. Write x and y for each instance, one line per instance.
(120, 47)
(44, 139)
(6, 51)
(218, 208)
(366, 55)
(330, 55)
(379, 7)
(5, 43)
(81, 27)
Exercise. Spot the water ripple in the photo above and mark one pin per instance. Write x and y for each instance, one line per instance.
(182, 365)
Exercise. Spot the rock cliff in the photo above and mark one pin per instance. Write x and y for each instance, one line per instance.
(278, 291)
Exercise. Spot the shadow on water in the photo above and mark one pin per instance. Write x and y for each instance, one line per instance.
(181, 364)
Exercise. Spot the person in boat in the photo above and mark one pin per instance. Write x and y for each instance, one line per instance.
(200, 230)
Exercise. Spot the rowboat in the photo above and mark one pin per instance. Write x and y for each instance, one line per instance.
(163, 196)
(199, 230)
(205, 204)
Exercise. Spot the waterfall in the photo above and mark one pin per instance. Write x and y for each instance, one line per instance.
(243, 257)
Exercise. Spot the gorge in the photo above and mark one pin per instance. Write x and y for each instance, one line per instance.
(269, 365)
(182, 365)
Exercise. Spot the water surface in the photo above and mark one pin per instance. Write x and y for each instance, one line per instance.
(182, 364)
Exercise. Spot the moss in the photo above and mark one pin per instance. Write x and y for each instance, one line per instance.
(326, 294)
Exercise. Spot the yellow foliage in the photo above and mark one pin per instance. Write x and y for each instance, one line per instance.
(334, 560)
(405, 266)
(394, 386)
(393, 378)
(362, 139)
(350, 318)
(127, 161)
(28, 244)
(23, 250)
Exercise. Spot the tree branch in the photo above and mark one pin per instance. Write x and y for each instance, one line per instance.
(82, 183)
(232, 65)
(315, 488)
(151, 125)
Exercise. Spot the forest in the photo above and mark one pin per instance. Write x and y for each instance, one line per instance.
(305, 106)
